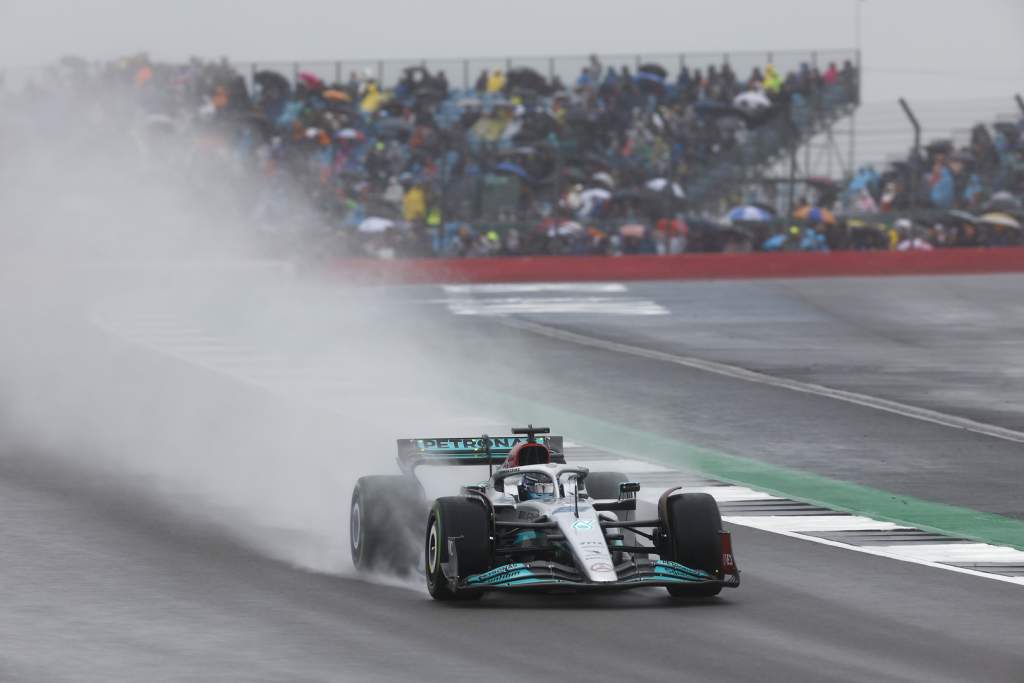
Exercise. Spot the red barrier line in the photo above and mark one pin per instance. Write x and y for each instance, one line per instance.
(681, 267)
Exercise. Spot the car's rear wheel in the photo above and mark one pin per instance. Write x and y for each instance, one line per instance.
(694, 525)
(384, 523)
(468, 522)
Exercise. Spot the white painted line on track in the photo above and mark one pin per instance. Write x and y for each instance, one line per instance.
(731, 494)
(739, 373)
(958, 552)
(536, 287)
(812, 522)
(935, 555)
(906, 555)
(554, 305)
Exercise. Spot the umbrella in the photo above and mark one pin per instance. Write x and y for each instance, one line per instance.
(568, 228)
(748, 214)
(374, 224)
(349, 134)
(998, 218)
(393, 127)
(963, 217)
(336, 95)
(751, 100)
(271, 80)
(512, 168)
(659, 184)
(814, 214)
(775, 242)
(650, 82)
(654, 69)
(312, 82)
(940, 146)
(916, 244)
(527, 79)
(604, 178)
(632, 230)
(1002, 201)
(595, 194)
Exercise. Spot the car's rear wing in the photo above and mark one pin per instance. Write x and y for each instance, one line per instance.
(471, 450)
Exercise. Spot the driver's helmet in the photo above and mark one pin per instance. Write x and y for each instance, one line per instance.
(536, 486)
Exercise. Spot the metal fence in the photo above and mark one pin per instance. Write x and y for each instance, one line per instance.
(463, 73)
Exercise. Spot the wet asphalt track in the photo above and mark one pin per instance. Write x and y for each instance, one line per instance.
(97, 585)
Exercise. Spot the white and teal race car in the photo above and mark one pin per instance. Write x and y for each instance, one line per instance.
(537, 523)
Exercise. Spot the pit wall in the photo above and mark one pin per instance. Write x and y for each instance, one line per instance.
(681, 267)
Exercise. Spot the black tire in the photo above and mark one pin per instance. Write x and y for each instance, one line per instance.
(385, 524)
(469, 521)
(693, 523)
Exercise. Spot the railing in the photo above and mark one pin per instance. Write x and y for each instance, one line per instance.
(462, 73)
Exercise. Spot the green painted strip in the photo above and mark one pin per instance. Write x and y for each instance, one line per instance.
(811, 488)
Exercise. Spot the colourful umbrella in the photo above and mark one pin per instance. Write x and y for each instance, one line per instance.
(337, 95)
(749, 214)
(814, 214)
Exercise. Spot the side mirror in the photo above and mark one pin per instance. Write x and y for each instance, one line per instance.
(628, 490)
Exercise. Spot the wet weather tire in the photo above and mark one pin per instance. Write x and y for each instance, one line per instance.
(385, 523)
(468, 522)
(694, 524)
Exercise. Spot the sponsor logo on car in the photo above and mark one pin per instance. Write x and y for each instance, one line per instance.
(600, 567)
(583, 525)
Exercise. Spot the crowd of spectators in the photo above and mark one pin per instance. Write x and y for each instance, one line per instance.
(596, 166)
(944, 195)
(521, 163)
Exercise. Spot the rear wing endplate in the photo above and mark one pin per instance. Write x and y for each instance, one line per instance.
(471, 450)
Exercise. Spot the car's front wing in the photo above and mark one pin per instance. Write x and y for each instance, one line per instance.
(631, 574)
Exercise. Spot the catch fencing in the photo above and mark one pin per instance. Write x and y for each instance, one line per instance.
(463, 73)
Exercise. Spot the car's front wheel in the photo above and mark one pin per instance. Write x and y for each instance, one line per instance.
(468, 523)
(694, 527)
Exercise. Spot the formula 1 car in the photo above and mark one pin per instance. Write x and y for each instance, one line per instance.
(537, 523)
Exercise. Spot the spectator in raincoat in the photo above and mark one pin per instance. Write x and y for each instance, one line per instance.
(414, 204)
(373, 99)
(974, 191)
(772, 82)
(942, 187)
(495, 81)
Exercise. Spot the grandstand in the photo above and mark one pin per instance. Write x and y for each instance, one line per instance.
(587, 154)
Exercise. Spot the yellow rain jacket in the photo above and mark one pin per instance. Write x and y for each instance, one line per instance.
(772, 81)
(496, 81)
(372, 100)
(414, 204)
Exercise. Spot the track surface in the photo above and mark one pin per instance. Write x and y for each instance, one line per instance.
(99, 585)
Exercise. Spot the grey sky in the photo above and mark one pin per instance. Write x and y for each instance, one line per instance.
(922, 48)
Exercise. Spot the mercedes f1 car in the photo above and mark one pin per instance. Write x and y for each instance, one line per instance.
(537, 523)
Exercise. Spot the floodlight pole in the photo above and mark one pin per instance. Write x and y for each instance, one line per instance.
(860, 79)
(917, 151)
(1020, 102)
